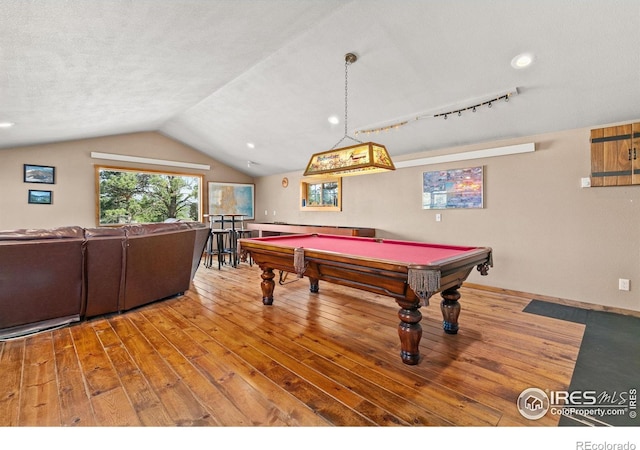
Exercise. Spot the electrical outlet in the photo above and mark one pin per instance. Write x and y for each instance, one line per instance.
(623, 284)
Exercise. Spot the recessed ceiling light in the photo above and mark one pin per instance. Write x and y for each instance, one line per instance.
(6, 124)
(251, 145)
(522, 60)
(334, 120)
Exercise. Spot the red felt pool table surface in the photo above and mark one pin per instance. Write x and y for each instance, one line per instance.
(405, 252)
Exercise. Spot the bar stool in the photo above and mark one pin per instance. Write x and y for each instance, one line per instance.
(221, 249)
(217, 243)
(232, 247)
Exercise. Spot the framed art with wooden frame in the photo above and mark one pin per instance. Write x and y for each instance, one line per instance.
(232, 198)
(37, 197)
(39, 174)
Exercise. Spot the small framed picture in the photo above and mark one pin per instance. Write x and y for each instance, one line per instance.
(40, 197)
(39, 174)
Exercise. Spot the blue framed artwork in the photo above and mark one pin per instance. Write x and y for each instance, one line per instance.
(232, 198)
(456, 188)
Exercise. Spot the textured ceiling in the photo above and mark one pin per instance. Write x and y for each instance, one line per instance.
(216, 75)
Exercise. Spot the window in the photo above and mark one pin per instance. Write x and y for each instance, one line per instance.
(321, 194)
(127, 196)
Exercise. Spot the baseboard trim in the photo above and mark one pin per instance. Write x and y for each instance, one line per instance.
(558, 300)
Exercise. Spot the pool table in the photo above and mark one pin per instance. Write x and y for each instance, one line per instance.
(410, 272)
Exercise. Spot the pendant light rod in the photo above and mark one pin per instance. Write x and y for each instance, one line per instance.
(349, 59)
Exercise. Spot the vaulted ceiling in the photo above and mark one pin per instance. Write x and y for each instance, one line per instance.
(219, 74)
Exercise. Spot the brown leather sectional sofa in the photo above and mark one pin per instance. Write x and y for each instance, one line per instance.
(54, 277)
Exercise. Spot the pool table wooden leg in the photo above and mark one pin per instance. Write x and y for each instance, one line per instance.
(314, 285)
(267, 286)
(450, 308)
(410, 331)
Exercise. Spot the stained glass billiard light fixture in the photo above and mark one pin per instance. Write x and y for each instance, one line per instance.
(359, 159)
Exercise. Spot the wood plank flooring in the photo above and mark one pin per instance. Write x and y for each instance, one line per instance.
(217, 357)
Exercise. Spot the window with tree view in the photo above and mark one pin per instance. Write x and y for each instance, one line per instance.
(321, 194)
(136, 196)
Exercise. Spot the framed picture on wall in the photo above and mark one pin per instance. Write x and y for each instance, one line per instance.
(232, 198)
(456, 188)
(40, 197)
(39, 174)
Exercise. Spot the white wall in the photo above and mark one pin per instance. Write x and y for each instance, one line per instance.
(550, 236)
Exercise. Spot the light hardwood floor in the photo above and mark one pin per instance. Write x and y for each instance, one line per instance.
(217, 357)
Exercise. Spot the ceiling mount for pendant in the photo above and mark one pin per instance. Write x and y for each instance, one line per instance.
(350, 58)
